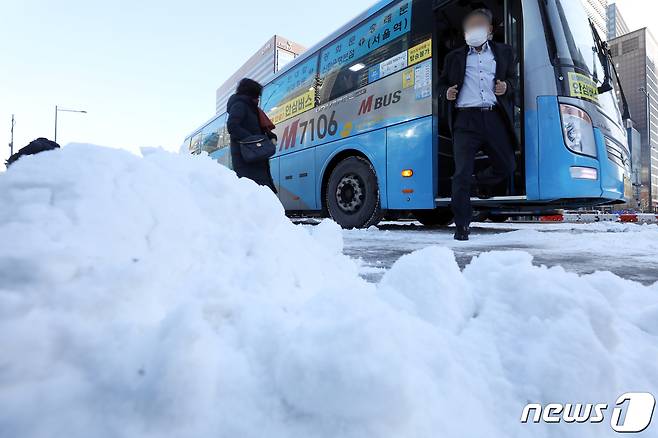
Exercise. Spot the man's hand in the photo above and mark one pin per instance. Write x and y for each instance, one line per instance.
(452, 93)
(501, 88)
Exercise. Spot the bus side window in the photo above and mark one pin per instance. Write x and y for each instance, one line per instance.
(392, 32)
(195, 144)
(346, 81)
(292, 93)
(352, 76)
(224, 137)
(210, 136)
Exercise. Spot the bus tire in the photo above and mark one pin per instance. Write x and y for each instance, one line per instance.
(352, 194)
(441, 217)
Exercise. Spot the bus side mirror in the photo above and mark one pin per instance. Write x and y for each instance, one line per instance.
(604, 88)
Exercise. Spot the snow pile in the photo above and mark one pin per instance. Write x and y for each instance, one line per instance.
(624, 227)
(162, 297)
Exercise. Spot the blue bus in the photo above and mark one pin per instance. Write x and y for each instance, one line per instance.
(363, 134)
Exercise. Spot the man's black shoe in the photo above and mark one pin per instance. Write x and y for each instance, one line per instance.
(462, 233)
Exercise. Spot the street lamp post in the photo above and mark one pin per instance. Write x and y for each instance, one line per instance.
(62, 110)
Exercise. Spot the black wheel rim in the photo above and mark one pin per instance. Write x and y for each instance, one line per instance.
(350, 193)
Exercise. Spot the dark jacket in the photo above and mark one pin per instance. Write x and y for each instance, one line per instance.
(454, 72)
(243, 122)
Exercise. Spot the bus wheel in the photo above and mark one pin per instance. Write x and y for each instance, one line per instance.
(498, 218)
(353, 194)
(441, 217)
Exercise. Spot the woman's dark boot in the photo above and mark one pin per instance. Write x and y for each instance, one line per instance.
(462, 233)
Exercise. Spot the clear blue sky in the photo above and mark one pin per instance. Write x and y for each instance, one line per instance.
(145, 70)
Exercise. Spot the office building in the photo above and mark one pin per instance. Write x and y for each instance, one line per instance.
(616, 24)
(272, 57)
(635, 56)
(597, 10)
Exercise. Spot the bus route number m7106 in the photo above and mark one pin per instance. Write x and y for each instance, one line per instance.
(316, 127)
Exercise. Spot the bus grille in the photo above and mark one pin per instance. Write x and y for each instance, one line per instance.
(618, 154)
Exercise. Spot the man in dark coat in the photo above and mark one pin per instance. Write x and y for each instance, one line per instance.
(478, 83)
(243, 121)
(37, 146)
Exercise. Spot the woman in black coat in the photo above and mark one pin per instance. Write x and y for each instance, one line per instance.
(244, 121)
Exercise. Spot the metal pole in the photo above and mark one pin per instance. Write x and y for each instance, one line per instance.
(648, 97)
(56, 111)
(11, 143)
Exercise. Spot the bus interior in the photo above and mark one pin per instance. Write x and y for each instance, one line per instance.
(448, 35)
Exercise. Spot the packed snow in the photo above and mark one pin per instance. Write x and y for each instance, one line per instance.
(160, 296)
(628, 250)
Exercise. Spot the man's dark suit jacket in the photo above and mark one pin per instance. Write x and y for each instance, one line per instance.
(454, 72)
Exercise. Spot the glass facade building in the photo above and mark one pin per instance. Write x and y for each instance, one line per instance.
(616, 24)
(635, 57)
(597, 10)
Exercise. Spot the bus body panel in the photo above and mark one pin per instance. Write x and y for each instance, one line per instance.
(539, 74)
(297, 180)
(538, 80)
(411, 146)
(555, 181)
(615, 180)
(532, 154)
(370, 144)
(274, 169)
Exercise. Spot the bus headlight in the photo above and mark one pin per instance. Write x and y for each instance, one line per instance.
(578, 130)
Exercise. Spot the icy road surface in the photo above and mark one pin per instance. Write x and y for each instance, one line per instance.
(628, 250)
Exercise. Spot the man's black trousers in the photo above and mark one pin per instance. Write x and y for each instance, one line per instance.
(476, 130)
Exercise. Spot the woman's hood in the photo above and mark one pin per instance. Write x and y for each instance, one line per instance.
(238, 98)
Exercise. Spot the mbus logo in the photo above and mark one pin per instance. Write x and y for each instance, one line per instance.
(633, 412)
(379, 102)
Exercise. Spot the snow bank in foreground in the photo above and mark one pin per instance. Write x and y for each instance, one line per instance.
(162, 297)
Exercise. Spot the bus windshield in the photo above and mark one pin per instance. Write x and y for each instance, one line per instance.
(574, 42)
(574, 46)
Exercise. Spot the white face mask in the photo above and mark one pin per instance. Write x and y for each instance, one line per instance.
(477, 36)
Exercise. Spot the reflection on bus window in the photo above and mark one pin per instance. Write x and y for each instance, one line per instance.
(375, 49)
(292, 93)
(363, 71)
(575, 46)
(210, 136)
(224, 136)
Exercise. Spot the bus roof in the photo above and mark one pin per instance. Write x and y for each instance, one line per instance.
(381, 4)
